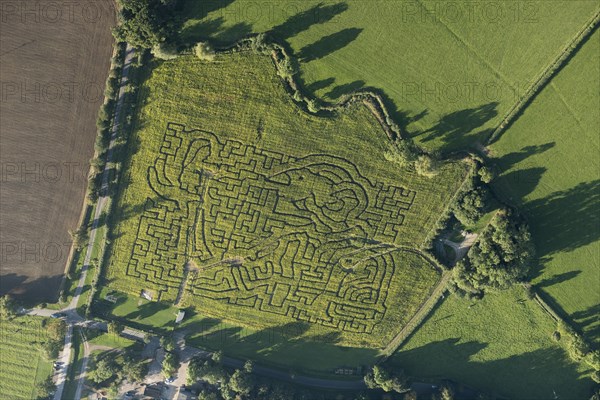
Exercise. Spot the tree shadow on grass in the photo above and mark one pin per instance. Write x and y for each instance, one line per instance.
(560, 278)
(302, 21)
(328, 44)
(511, 159)
(319, 85)
(589, 321)
(567, 219)
(147, 310)
(345, 89)
(520, 182)
(193, 9)
(535, 374)
(452, 129)
(294, 346)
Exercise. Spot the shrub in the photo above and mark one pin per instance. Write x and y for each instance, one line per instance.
(204, 51)
(486, 174)
(258, 44)
(285, 68)
(164, 51)
(426, 165)
(556, 336)
(313, 106)
(471, 206)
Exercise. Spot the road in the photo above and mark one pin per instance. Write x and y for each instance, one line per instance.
(72, 318)
(103, 199)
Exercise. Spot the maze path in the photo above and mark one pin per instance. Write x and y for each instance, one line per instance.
(306, 237)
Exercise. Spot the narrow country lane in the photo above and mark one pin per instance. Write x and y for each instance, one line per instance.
(72, 318)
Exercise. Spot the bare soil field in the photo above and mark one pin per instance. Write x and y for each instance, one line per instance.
(54, 61)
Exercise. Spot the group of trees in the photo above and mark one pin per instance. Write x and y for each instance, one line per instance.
(228, 385)
(56, 329)
(170, 363)
(381, 378)
(406, 153)
(474, 201)
(500, 258)
(109, 369)
(146, 23)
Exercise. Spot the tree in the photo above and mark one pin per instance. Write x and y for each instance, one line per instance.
(80, 237)
(248, 366)
(471, 206)
(7, 307)
(103, 370)
(165, 51)
(170, 364)
(204, 51)
(217, 356)
(486, 174)
(115, 328)
(56, 329)
(206, 395)
(133, 370)
(241, 382)
(446, 392)
(498, 260)
(145, 23)
(381, 378)
(168, 343)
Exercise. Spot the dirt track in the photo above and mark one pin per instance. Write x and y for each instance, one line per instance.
(54, 60)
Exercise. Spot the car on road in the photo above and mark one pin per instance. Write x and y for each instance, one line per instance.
(58, 315)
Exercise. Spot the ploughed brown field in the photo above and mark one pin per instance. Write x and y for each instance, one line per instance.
(54, 60)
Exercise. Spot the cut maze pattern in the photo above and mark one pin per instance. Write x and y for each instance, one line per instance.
(306, 237)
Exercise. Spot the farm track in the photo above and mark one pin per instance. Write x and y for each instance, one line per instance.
(101, 205)
(418, 317)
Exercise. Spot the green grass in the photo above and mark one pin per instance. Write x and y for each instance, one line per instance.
(282, 347)
(135, 311)
(109, 340)
(22, 362)
(551, 170)
(451, 69)
(501, 344)
(312, 158)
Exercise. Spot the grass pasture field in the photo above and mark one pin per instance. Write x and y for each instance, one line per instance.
(501, 344)
(55, 61)
(551, 170)
(451, 70)
(22, 363)
(241, 205)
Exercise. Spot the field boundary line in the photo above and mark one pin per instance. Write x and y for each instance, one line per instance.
(544, 77)
(415, 321)
(471, 50)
